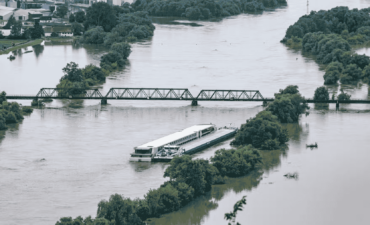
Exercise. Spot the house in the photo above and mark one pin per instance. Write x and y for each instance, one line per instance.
(5, 12)
(2, 3)
(12, 4)
(62, 31)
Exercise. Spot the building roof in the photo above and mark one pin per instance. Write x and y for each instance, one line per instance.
(5, 10)
(175, 136)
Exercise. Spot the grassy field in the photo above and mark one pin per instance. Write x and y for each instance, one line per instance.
(7, 43)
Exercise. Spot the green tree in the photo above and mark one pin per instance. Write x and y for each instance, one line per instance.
(321, 93)
(16, 30)
(37, 31)
(118, 209)
(288, 105)
(93, 73)
(333, 72)
(343, 96)
(80, 17)
(2, 97)
(262, 132)
(52, 8)
(111, 61)
(237, 207)
(366, 74)
(62, 11)
(236, 162)
(10, 23)
(94, 36)
(72, 73)
(351, 74)
(77, 29)
(123, 48)
(100, 14)
(198, 174)
(72, 18)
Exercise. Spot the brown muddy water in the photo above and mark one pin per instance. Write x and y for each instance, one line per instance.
(86, 148)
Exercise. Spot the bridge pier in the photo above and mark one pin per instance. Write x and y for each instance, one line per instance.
(104, 101)
(337, 105)
(194, 103)
(264, 104)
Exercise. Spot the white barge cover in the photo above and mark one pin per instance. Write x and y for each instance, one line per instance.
(208, 138)
(175, 136)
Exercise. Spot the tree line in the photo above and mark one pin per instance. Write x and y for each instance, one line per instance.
(204, 9)
(330, 36)
(11, 112)
(188, 180)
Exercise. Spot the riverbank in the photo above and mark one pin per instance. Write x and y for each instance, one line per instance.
(19, 44)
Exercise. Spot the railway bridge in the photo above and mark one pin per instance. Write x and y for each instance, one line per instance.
(152, 94)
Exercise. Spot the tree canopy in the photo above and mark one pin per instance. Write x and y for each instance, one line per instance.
(263, 132)
(10, 112)
(321, 93)
(203, 9)
(288, 105)
(62, 11)
(329, 35)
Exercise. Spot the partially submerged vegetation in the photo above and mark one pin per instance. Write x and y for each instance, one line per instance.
(264, 131)
(11, 112)
(330, 37)
(189, 178)
(204, 9)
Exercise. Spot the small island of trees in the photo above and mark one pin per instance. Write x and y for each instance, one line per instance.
(11, 112)
(330, 37)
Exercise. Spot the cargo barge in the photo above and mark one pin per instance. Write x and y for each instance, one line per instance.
(187, 141)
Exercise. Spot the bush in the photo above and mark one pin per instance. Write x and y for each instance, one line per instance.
(236, 162)
(123, 48)
(260, 130)
(27, 109)
(53, 34)
(94, 36)
(288, 105)
(107, 60)
(344, 97)
(321, 93)
(333, 72)
(351, 74)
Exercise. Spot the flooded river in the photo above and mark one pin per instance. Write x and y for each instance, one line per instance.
(61, 161)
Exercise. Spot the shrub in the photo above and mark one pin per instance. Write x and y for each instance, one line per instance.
(351, 74)
(236, 162)
(27, 109)
(260, 130)
(288, 105)
(53, 34)
(321, 93)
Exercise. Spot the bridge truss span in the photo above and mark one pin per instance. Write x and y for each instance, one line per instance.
(229, 95)
(69, 93)
(150, 93)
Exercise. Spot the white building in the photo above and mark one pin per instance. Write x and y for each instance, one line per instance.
(12, 4)
(5, 12)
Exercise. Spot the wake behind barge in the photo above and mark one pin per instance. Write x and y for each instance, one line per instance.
(187, 141)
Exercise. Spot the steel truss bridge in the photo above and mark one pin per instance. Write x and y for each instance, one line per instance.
(173, 94)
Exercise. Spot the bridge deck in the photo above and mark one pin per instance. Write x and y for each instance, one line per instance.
(168, 94)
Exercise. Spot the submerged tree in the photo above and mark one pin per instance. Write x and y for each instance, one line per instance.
(237, 207)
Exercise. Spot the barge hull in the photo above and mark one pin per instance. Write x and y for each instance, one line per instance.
(210, 143)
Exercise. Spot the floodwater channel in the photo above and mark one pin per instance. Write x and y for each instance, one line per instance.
(61, 161)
